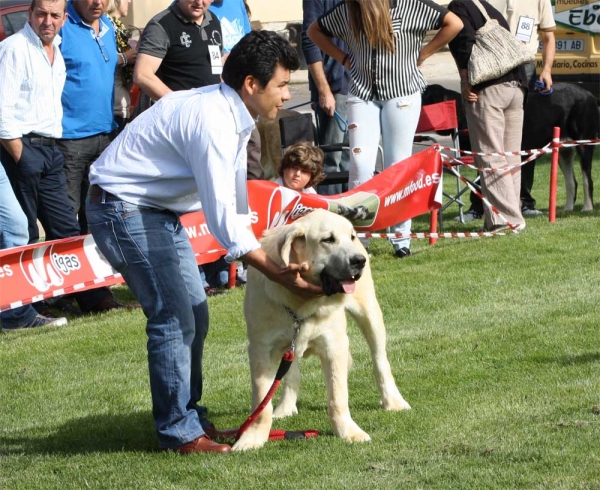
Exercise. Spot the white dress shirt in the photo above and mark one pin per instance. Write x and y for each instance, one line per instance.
(30, 87)
(183, 155)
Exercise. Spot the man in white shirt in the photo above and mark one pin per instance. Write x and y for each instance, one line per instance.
(531, 21)
(32, 76)
(186, 151)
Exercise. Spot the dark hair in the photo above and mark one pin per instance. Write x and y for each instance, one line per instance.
(306, 156)
(257, 54)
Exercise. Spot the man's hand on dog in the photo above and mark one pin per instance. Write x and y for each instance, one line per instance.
(289, 277)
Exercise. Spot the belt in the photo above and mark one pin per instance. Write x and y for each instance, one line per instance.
(98, 196)
(38, 140)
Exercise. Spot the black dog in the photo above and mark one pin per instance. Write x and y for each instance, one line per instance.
(573, 109)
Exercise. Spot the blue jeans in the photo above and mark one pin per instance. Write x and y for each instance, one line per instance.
(13, 233)
(150, 248)
(395, 121)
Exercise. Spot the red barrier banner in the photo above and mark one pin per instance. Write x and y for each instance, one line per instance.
(49, 269)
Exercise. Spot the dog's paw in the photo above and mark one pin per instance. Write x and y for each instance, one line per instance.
(246, 443)
(351, 432)
(284, 410)
(358, 436)
(395, 404)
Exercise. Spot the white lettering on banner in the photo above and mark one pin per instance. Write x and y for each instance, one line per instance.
(413, 186)
(300, 210)
(253, 217)
(5, 271)
(66, 263)
(194, 232)
(282, 203)
(41, 271)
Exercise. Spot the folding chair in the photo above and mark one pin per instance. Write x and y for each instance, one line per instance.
(442, 118)
(300, 127)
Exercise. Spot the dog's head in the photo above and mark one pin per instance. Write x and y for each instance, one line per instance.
(327, 243)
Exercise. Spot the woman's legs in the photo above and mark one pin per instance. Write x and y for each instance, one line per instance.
(364, 132)
(399, 119)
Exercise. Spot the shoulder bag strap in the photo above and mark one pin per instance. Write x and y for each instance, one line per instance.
(482, 9)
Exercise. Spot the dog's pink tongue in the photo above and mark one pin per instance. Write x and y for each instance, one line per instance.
(349, 286)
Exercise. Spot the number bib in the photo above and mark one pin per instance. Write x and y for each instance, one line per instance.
(525, 28)
(216, 63)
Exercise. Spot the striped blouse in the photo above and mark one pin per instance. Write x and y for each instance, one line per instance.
(377, 73)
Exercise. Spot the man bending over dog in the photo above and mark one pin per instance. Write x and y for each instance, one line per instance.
(188, 151)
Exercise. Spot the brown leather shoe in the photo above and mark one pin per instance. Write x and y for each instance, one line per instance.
(201, 444)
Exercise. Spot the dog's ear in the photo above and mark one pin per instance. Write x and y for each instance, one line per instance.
(284, 245)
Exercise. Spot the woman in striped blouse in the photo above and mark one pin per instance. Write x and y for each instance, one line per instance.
(385, 42)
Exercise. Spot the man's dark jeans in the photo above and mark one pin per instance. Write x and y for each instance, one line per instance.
(40, 186)
(79, 155)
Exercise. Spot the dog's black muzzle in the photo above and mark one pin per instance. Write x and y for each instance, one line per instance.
(341, 279)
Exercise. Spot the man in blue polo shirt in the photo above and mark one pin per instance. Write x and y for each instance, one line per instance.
(90, 52)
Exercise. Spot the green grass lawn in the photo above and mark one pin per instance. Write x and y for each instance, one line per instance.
(494, 342)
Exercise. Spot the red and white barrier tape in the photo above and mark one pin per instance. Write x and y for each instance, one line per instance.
(487, 203)
(475, 234)
(455, 162)
(564, 144)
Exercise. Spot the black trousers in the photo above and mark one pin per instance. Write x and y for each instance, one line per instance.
(40, 185)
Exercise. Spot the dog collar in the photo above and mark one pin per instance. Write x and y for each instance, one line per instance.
(297, 325)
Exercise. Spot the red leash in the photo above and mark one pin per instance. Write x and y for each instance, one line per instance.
(284, 366)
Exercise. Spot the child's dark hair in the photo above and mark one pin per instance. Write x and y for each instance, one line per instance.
(306, 156)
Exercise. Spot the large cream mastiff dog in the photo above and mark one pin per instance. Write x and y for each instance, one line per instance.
(326, 242)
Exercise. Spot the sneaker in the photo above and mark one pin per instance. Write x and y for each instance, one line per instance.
(527, 211)
(403, 252)
(40, 321)
(470, 215)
